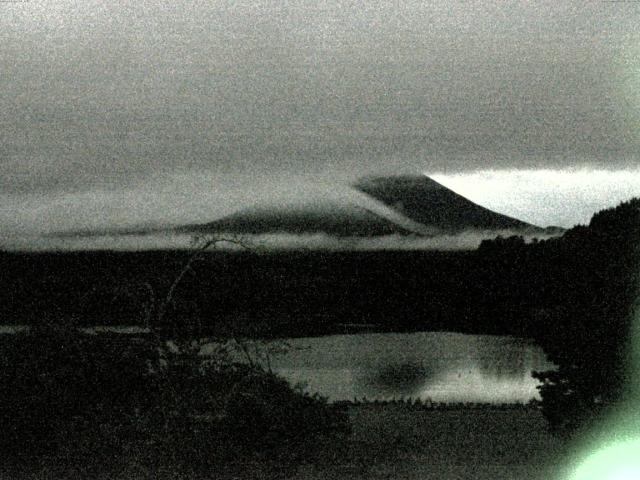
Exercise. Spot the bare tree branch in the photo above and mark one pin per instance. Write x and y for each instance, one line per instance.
(206, 244)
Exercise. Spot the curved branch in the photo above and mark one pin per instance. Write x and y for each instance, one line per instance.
(195, 257)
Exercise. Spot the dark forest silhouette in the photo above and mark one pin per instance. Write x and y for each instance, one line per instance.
(589, 335)
(504, 287)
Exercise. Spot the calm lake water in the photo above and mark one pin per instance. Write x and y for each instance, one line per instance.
(443, 367)
(437, 366)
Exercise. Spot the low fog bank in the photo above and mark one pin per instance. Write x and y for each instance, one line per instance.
(468, 240)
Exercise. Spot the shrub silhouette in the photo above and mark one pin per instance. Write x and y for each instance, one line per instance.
(54, 381)
(70, 396)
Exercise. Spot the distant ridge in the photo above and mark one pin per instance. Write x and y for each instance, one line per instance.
(337, 220)
(426, 201)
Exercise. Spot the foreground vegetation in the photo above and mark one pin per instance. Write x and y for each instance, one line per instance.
(386, 441)
(74, 401)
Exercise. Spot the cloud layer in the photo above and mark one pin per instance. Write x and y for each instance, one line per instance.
(99, 94)
(144, 111)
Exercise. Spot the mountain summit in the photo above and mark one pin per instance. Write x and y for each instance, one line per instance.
(426, 201)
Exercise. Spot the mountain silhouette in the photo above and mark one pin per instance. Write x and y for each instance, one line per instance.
(426, 201)
(331, 219)
(373, 207)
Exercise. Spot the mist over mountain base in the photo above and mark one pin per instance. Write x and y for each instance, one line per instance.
(466, 240)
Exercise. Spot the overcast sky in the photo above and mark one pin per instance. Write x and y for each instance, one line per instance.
(143, 111)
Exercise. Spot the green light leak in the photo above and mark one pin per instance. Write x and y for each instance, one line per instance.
(612, 450)
(619, 462)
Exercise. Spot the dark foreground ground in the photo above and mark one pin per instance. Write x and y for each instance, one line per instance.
(393, 442)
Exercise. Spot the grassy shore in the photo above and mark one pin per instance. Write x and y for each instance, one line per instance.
(390, 441)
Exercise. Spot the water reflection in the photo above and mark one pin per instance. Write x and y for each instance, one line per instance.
(440, 366)
(445, 367)
(405, 379)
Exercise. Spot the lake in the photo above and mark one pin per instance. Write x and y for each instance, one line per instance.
(440, 366)
(436, 366)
